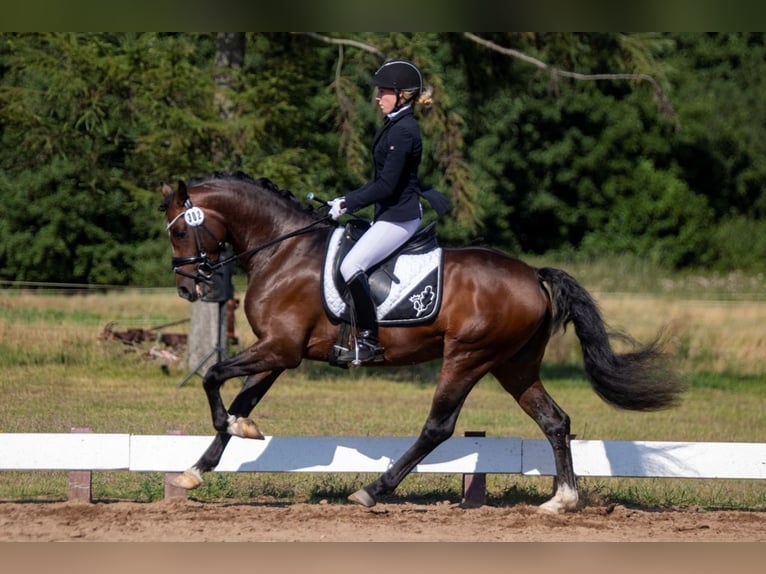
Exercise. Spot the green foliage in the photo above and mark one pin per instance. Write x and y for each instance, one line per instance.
(92, 123)
(739, 243)
(57, 228)
(661, 220)
(721, 148)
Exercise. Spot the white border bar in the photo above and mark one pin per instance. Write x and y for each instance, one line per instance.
(490, 455)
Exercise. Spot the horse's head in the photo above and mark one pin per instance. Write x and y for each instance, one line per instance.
(197, 238)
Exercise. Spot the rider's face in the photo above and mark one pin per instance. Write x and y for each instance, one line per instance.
(386, 98)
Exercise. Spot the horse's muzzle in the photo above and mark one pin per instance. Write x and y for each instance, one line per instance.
(184, 292)
(190, 285)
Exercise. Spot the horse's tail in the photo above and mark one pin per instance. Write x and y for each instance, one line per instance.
(641, 380)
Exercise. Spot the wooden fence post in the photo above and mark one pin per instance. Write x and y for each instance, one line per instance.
(474, 485)
(173, 492)
(80, 481)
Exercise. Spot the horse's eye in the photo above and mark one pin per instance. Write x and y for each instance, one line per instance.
(179, 233)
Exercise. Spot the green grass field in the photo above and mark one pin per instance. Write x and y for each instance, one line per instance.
(57, 374)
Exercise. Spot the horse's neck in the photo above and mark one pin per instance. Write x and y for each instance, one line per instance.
(246, 219)
(260, 227)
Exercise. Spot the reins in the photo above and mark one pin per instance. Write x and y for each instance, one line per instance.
(254, 250)
(195, 218)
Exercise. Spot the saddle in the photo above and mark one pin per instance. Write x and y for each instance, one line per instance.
(405, 287)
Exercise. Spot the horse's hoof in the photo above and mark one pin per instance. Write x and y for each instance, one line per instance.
(189, 480)
(565, 500)
(551, 508)
(363, 498)
(245, 428)
(249, 429)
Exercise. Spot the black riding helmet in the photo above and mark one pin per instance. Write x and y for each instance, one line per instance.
(399, 75)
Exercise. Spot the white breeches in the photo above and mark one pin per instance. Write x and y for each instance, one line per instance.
(377, 243)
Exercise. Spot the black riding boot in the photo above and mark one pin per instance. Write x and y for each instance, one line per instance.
(363, 307)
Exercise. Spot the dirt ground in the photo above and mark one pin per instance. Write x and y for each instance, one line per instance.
(189, 521)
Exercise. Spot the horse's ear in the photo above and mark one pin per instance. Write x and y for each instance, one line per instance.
(183, 194)
(166, 189)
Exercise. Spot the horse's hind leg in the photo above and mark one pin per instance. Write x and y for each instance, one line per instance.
(454, 386)
(525, 386)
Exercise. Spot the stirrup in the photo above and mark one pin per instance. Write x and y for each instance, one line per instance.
(364, 351)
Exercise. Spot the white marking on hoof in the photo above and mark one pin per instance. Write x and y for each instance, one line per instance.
(189, 479)
(244, 427)
(565, 500)
(363, 498)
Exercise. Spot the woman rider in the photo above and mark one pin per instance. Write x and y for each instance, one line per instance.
(395, 192)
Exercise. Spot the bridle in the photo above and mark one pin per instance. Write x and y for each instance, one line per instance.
(206, 269)
(195, 219)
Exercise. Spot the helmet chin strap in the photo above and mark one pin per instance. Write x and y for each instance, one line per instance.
(400, 105)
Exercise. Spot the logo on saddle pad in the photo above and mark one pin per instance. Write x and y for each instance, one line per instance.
(406, 287)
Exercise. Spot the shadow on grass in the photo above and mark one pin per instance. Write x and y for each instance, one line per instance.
(421, 374)
(562, 371)
(514, 495)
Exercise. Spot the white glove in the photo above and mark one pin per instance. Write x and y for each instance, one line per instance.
(337, 207)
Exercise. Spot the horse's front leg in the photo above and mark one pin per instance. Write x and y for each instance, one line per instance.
(214, 379)
(252, 392)
(235, 421)
(191, 478)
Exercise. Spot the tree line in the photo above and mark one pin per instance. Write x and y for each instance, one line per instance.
(571, 144)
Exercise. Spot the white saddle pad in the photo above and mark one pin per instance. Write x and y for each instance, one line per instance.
(416, 298)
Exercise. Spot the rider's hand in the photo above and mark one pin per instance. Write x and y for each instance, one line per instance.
(337, 207)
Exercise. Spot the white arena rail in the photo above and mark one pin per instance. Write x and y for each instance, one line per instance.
(474, 455)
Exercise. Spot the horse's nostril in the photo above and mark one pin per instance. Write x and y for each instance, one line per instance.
(185, 293)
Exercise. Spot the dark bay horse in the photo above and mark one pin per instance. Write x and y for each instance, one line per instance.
(496, 317)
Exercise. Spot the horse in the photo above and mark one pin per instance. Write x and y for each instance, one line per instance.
(496, 317)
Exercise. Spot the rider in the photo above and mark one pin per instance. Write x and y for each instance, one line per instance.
(395, 189)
